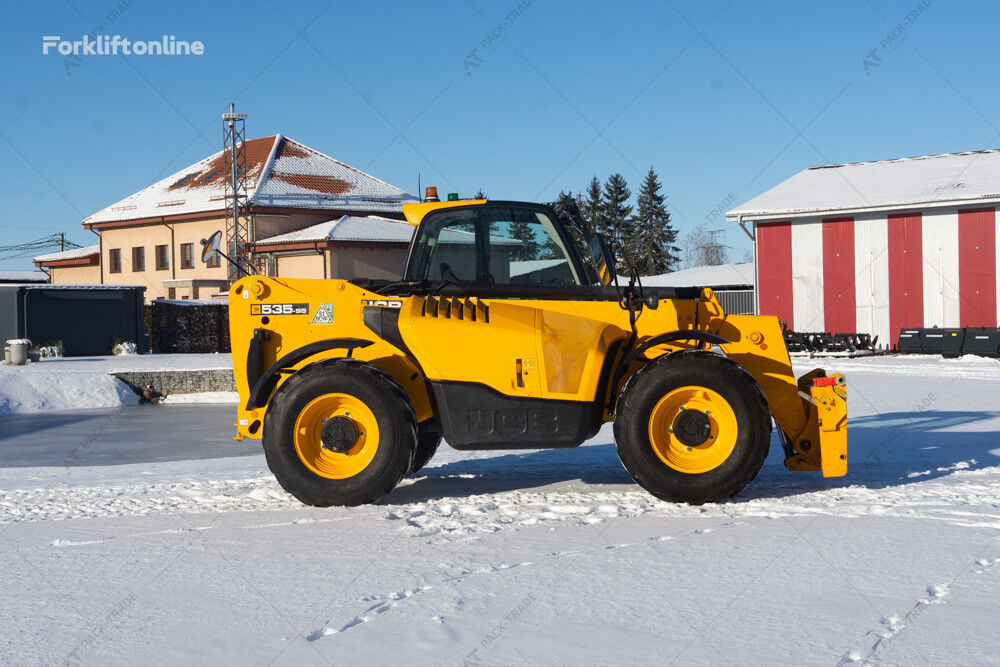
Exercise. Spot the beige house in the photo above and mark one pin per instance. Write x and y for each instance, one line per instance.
(153, 237)
(79, 266)
(351, 246)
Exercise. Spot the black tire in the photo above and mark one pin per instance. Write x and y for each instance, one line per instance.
(700, 369)
(428, 441)
(392, 411)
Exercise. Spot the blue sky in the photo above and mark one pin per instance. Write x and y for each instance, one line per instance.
(724, 99)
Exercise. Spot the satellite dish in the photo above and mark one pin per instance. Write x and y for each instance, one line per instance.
(210, 247)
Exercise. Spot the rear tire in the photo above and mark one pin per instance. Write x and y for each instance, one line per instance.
(379, 420)
(711, 453)
(428, 441)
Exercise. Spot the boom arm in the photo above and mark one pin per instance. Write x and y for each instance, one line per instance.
(811, 413)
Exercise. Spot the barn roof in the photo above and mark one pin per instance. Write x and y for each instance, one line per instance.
(280, 172)
(723, 275)
(916, 182)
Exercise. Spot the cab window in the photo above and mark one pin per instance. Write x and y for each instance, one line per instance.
(506, 245)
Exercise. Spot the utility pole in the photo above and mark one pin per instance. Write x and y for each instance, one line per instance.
(62, 241)
(714, 249)
(238, 223)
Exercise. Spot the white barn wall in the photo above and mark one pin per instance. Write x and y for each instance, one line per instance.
(807, 274)
(871, 263)
(940, 267)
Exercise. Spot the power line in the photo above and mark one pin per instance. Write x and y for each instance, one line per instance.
(32, 248)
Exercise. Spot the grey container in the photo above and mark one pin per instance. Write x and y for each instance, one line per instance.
(88, 319)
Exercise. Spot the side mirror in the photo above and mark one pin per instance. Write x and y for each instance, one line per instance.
(210, 247)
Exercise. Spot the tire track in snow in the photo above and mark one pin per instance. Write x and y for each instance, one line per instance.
(890, 627)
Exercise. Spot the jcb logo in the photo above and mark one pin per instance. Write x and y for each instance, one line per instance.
(279, 309)
(514, 421)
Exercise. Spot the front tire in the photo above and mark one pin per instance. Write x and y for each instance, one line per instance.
(339, 432)
(428, 441)
(692, 427)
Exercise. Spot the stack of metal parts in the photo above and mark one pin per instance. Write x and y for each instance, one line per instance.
(803, 342)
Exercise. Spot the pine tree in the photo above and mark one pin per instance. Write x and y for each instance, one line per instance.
(655, 249)
(616, 216)
(550, 249)
(521, 230)
(591, 206)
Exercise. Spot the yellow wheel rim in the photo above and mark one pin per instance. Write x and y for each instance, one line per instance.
(693, 458)
(309, 442)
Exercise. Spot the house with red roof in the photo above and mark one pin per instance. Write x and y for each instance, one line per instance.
(152, 237)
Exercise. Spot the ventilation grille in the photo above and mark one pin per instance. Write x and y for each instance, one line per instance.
(456, 308)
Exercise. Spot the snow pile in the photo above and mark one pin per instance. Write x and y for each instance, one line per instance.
(37, 387)
(79, 383)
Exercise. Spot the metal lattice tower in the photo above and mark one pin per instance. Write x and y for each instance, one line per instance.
(239, 223)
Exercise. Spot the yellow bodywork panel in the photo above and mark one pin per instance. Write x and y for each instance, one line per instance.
(415, 212)
(532, 348)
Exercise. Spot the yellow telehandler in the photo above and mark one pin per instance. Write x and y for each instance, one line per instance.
(510, 330)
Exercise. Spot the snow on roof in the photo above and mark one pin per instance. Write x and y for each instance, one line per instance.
(723, 275)
(369, 228)
(23, 277)
(279, 172)
(521, 267)
(74, 253)
(934, 180)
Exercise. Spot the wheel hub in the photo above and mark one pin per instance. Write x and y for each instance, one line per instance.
(692, 428)
(339, 434)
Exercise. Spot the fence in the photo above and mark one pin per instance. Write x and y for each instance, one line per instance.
(200, 325)
(736, 301)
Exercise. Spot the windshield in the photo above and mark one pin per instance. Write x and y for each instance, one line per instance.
(493, 244)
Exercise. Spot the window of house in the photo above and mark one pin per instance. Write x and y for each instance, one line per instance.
(138, 259)
(162, 257)
(187, 255)
(171, 292)
(115, 260)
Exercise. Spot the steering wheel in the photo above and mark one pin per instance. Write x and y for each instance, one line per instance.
(487, 278)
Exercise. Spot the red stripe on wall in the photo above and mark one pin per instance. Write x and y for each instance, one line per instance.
(774, 270)
(906, 273)
(839, 308)
(977, 268)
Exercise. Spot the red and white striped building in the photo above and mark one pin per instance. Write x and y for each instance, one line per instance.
(874, 247)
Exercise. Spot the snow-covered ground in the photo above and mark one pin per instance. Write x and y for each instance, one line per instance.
(84, 382)
(145, 533)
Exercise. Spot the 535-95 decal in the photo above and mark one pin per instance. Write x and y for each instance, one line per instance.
(279, 309)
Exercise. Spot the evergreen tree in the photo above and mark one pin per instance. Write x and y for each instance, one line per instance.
(592, 205)
(550, 249)
(480, 194)
(523, 231)
(655, 248)
(616, 216)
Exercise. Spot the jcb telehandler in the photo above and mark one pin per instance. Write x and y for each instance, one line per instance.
(509, 330)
